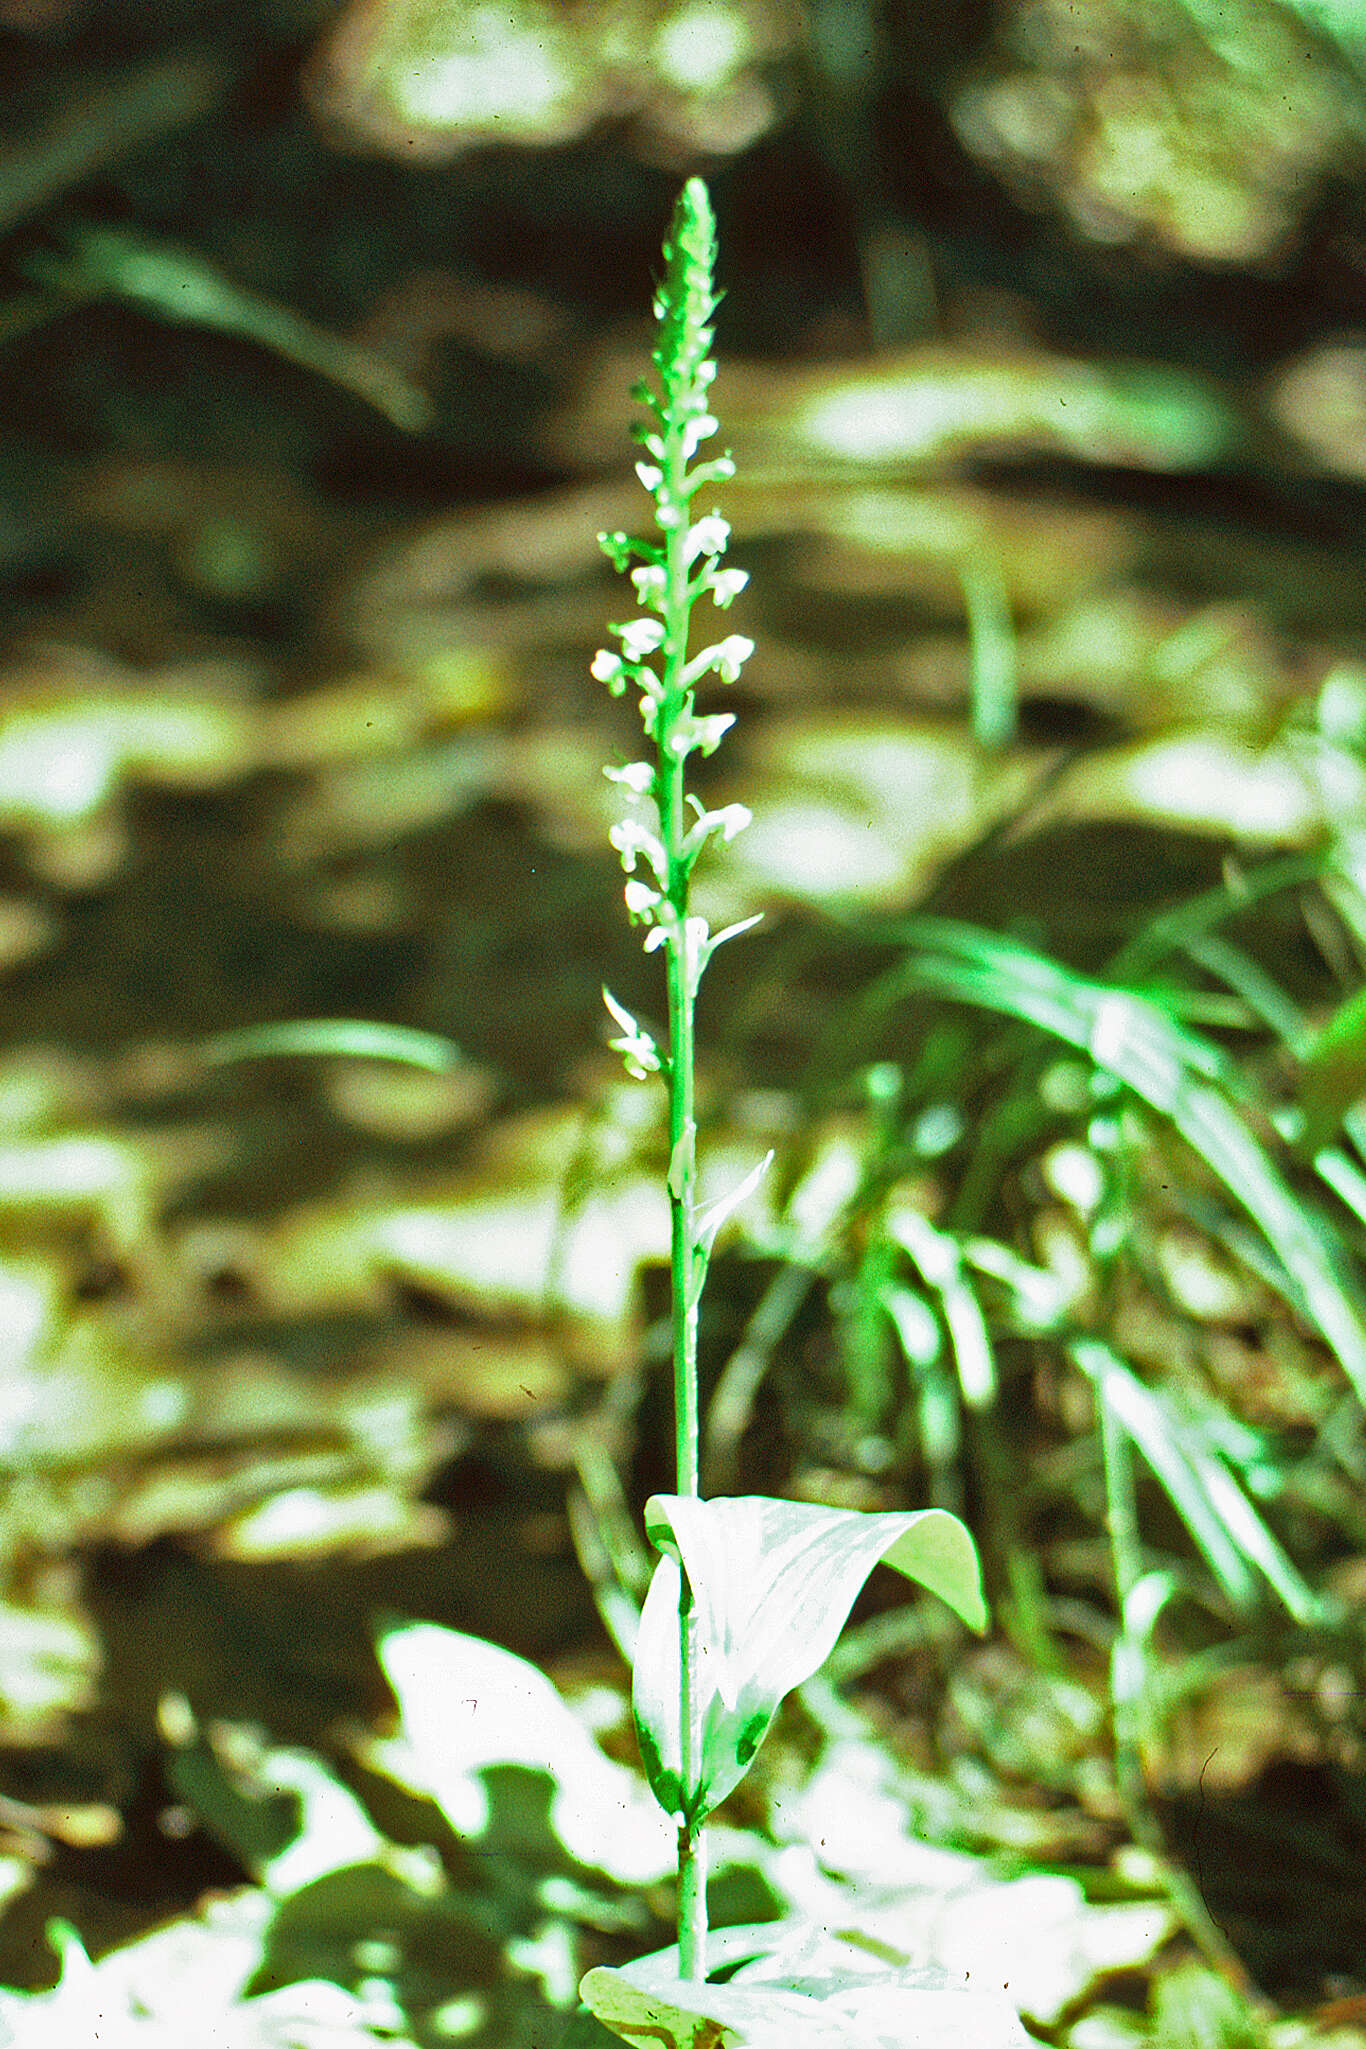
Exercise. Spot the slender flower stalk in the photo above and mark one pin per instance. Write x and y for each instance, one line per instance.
(659, 840)
(748, 1594)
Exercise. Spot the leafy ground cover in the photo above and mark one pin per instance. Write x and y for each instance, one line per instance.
(1049, 491)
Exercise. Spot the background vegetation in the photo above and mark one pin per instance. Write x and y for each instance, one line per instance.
(1044, 364)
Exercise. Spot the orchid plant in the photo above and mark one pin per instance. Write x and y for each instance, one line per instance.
(749, 1594)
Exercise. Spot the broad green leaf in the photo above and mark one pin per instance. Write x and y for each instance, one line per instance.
(773, 1583)
(196, 1979)
(469, 1707)
(815, 1992)
(1036, 1932)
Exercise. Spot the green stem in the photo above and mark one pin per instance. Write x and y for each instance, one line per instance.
(692, 1901)
(682, 986)
(682, 1176)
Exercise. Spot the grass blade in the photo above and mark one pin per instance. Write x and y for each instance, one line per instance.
(1182, 1076)
(1232, 1537)
(334, 1038)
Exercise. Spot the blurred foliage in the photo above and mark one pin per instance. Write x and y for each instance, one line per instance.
(1205, 129)
(1043, 357)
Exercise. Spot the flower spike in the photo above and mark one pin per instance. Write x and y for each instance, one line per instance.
(665, 830)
